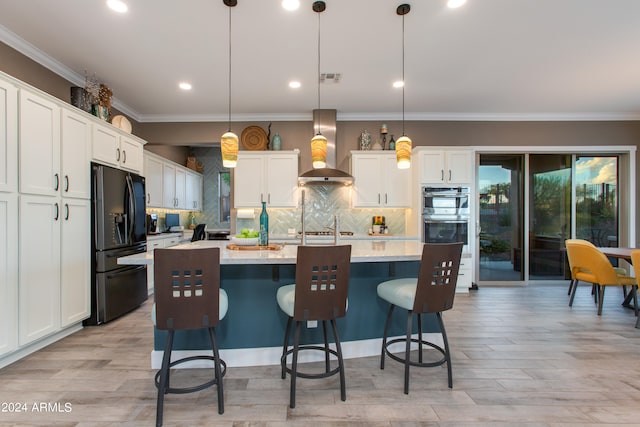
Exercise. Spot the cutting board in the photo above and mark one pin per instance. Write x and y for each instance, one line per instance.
(269, 247)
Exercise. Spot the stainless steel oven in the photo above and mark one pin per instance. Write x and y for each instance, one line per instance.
(445, 214)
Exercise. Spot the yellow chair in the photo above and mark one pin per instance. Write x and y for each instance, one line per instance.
(620, 271)
(635, 260)
(590, 265)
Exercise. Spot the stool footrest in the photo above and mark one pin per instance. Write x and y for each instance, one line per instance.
(184, 390)
(413, 363)
(283, 361)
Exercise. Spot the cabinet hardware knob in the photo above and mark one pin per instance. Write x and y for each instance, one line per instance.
(57, 182)
(124, 156)
(66, 183)
(117, 154)
(66, 215)
(57, 212)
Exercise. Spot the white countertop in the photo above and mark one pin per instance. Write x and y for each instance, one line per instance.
(361, 251)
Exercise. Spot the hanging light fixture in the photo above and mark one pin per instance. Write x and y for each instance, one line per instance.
(319, 142)
(403, 144)
(229, 141)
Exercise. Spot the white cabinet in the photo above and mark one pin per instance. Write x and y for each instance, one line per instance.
(181, 190)
(113, 149)
(158, 242)
(75, 261)
(194, 191)
(445, 166)
(39, 267)
(8, 273)
(378, 182)
(39, 148)
(8, 137)
(268, 176)
(169, 186)
(76, 153)
(153, 180)
(465, 275)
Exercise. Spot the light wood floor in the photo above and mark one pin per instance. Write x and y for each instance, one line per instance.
(522, 357)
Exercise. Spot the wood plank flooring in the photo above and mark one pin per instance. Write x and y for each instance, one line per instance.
(521, 357)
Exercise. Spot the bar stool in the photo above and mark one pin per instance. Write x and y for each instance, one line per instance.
(432, 292)
(320, 293)
(188, 296)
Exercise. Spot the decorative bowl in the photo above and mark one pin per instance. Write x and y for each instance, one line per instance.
(246, 241)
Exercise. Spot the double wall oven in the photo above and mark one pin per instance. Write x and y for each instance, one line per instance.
(446, 215)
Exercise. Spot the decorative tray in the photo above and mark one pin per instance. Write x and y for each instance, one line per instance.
(254, 138)
(269, 247)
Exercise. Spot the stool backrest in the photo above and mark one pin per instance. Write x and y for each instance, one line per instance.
(322, 282)
(187, 286)
(437, 277)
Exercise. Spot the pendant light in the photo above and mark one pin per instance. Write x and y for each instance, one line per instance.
(319, 142)
(229, 141)
(403, 144)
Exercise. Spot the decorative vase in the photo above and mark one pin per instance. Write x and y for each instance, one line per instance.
(276, 142)
(100, 111)
(365, 140)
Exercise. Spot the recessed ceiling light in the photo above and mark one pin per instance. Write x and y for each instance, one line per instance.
(455, 3)
(117, 5)
(184, 86)
(294, 84)
(291, 4)
(398, 84)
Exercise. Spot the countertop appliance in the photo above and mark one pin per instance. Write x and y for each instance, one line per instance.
(152, 224)
(118, 223)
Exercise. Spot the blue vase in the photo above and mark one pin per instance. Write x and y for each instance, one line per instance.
(276, 143)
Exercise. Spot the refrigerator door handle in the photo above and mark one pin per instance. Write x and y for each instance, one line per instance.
(126, 272)
(132, 209)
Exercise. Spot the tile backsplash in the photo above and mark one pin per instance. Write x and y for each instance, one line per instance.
(321, 204)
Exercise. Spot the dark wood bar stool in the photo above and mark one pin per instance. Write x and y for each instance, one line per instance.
(432, 292)
(320, 293)
(188, 296)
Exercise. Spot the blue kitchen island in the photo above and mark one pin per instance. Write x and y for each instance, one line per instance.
(252, 332)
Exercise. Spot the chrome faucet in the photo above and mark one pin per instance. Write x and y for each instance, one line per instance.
(302, 226)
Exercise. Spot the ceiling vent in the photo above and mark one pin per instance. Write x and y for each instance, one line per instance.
(334, 77)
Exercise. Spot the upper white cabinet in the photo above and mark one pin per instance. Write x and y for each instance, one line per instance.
(76, 154)
(378, 182)
(445, 166)
(270, 176)
(8, 137)
(170, 185)
(39, 152)
(112, 148)
(153, 180)
(194, 191)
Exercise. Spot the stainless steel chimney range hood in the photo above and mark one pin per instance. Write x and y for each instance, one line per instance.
(325, 120)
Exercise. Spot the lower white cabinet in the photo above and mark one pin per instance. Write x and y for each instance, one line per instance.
(39, 267)
(8, 273)
(159, 242)
(75, 261)
(54, 265)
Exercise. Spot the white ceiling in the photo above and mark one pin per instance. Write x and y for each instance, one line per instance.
(488, 60)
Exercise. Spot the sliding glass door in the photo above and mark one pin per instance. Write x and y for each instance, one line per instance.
(501, 217)
(523, 223)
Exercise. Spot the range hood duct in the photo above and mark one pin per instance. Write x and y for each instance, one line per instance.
(325, 120)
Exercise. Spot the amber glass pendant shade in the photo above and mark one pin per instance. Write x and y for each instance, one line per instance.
(319, 151)
(403, 152)
(229, 149)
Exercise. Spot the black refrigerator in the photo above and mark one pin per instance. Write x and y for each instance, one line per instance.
(118, 228)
